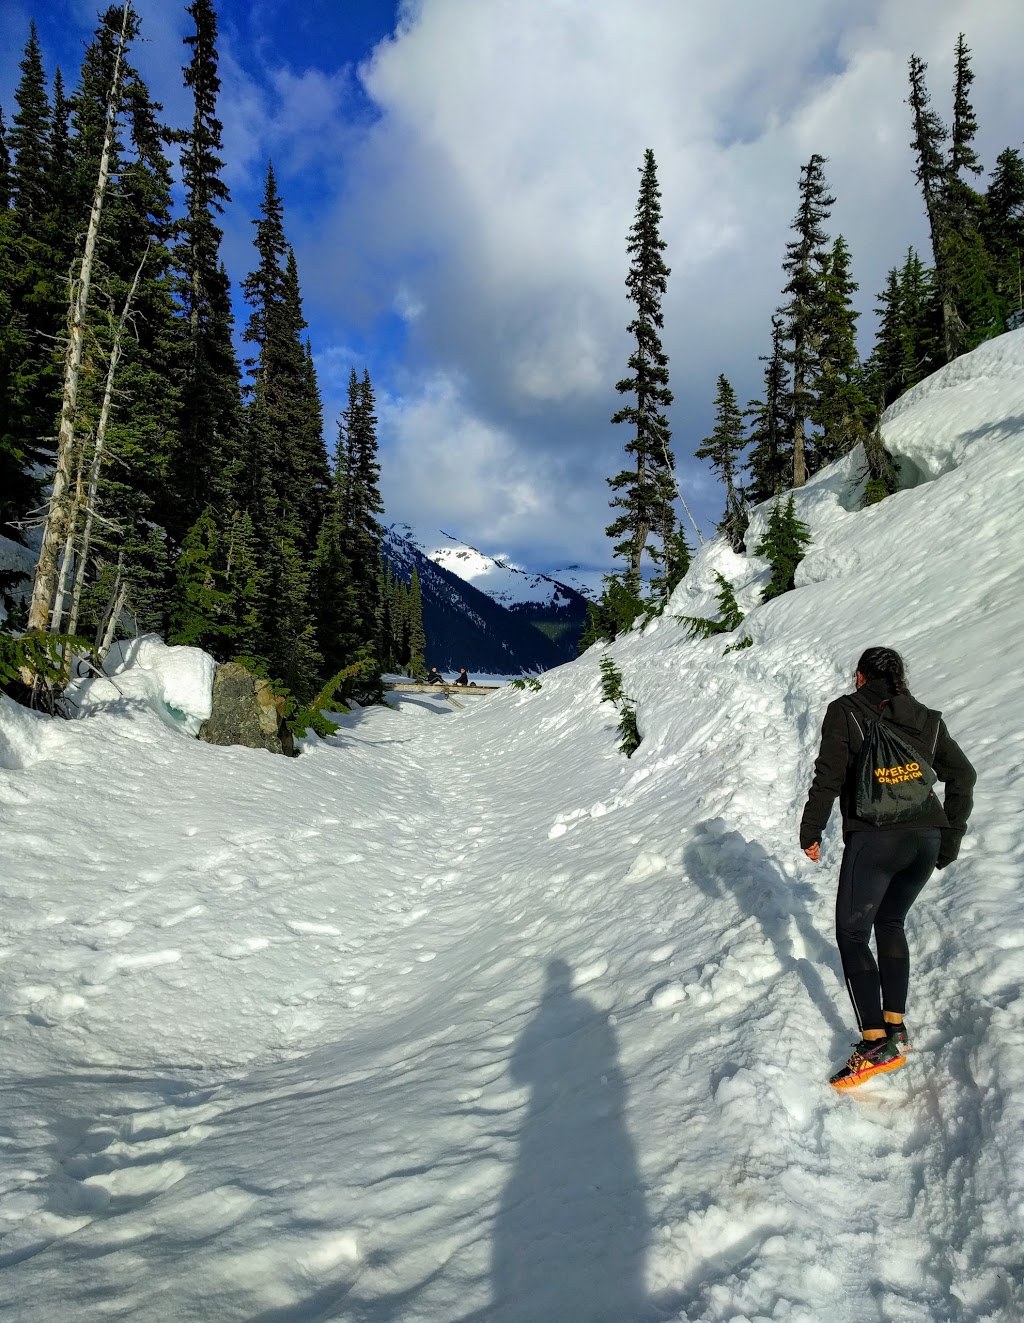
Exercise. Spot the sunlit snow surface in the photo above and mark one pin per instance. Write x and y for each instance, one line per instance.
(462, 1015)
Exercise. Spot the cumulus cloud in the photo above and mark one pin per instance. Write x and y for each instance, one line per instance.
(460, 209)
(493, 196)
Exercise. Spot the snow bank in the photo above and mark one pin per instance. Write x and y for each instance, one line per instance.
(181, 677)
(474, 1018)
(28, 737)
(174, 682)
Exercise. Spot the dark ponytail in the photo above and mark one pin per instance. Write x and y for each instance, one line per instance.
(884, 664)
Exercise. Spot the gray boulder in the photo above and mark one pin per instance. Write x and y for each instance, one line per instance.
(245, 711)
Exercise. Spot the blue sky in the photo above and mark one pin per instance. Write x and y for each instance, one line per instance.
(459, 178)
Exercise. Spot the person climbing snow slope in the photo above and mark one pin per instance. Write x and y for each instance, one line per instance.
(890, 854)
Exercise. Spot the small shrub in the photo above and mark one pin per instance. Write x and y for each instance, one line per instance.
(732, 616)
(611, 681)
(615, 613)
(526, 682)
(612, 692)
(784, 546)
(628, 730)
(745, 642)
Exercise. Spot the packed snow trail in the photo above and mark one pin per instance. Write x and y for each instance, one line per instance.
(462, 1015)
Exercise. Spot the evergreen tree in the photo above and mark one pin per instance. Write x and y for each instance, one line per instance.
(841, 411)
(1003, 229)
(964, 276)
(784, 546)
(723, 448)
(417, 636)
(804, 312)
(263, 471)
(198, 618)
(646, 490)
(311, 467)
(930, 171)
(385, 637)
(29, 138)
(333, 596)
(770, 432)
(203, 463)
(245, 585)
(19, 489)
(6, 178)
(283, 477)
(885, 367)
(134, 253)
(675, 562)
(33, 273)
(62, 238)
(359, 496)
(730, 616)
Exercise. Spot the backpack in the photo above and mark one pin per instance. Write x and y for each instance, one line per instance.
(893, 781)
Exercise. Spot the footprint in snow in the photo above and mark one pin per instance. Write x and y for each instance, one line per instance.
(249, 946)
(667, 995)
(304, 929)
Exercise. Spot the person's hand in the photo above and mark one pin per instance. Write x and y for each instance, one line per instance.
(813, 852)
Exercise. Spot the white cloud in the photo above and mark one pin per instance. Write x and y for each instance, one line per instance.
(494, 195)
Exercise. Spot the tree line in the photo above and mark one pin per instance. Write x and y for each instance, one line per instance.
(178, 487)
(820, 398)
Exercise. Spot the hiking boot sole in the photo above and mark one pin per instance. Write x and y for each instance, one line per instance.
(851, 1081)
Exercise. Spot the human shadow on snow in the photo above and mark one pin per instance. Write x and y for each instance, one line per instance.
(720, 861)
(571, 1231)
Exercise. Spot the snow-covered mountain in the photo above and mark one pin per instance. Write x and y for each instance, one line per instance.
(554, 606)
(500, 577)
(462, 1015)
(467, 627)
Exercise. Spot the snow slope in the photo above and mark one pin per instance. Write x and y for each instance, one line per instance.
(462, 1015)
(499, 576)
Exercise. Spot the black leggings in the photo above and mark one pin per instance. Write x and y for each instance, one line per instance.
(882, 874)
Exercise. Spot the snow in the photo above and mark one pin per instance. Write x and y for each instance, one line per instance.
(180, 677)
(475, 1019)
(498, 575)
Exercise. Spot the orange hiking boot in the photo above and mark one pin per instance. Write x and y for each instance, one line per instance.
(868, 1059)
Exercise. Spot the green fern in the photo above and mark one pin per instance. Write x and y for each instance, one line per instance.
(312, 718)
(40, 655)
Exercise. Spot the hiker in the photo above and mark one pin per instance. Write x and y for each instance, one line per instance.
(885, 865)
(435, 676)
(463, 678)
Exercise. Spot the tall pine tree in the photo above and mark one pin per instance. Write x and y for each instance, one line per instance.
(204, 460)
(770, 431)
(722, 448)
(645, 491)
(841, 411)
(805, 263)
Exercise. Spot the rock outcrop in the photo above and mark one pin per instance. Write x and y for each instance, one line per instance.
(245, 711)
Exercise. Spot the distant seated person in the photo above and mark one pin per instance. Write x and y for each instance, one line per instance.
(435, 676)
(463, 677)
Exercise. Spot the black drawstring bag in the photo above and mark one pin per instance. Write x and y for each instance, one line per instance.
(894, 782)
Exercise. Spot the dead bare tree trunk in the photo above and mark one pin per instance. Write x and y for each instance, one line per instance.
(115, 616)
(98, 447)
(58, 513)
(60, 596)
